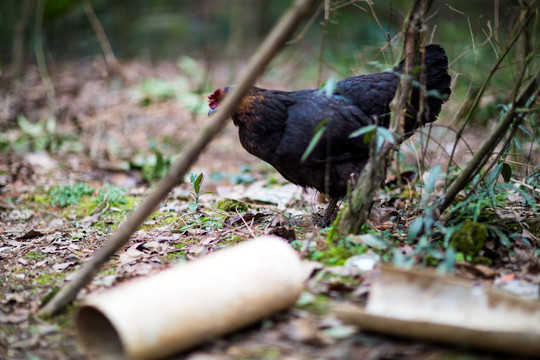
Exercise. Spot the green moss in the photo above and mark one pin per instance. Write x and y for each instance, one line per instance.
(230, 205)
(180, 254)
(158, 219)
(39, 198)
(320, 305)
(470, 239)
(50, 294)
(234, 239)
(35, 255)
(48, 279)
(44, 279)
(338, 253)
(65, 319)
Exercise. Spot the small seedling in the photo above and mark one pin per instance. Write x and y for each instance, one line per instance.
(196, 182)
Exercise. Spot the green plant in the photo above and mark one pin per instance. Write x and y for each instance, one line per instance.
(111, 194)
(34, 136)
(156, 90)
(201, 221)
(35, 255)
(196, 182)
(154, 165)
(65, 195)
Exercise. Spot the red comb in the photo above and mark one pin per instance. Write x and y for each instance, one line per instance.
(214, 98)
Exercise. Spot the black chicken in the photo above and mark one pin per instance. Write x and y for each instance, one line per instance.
(278, 126)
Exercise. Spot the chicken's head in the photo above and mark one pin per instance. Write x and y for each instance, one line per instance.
(216, 98)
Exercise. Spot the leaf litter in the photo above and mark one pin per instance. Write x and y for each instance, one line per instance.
(42, 245)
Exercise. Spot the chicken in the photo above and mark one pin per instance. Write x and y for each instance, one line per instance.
(278, 126)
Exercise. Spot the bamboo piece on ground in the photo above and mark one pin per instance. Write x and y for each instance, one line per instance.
(188, 304)
(268, 49)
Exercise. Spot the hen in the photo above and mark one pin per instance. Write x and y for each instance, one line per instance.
(278, 126)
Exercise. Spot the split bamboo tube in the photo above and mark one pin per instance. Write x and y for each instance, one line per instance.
(186, 305)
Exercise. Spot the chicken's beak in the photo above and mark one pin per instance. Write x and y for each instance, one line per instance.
(211, 111)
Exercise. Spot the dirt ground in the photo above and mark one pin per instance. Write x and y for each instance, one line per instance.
(104, 132)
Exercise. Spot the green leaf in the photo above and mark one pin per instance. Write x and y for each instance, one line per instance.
(518, 145)
(29, 128)
(493, 175)
(329, 88)
(385, 134)
(319, 131)
(160, 168)
(415, 228)
(526, 131)
(190, 66)
(192, 177)
(50, 126)
(362, 131)
(197, 183)
(447, 265)
(506, 172)
(433, 175)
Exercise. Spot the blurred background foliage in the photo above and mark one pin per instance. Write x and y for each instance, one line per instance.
(342, 38)
(165, 29)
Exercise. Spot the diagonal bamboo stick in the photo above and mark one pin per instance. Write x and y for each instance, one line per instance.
(268, 49)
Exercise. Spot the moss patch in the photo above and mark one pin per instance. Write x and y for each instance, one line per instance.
(230, 205)
(470, 239)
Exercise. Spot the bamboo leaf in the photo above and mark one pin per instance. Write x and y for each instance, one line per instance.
(362, 131)
(506, 172)
(329, 88)
(433, 175)
(320, 129)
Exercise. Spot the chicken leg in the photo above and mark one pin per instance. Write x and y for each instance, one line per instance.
(329, 212)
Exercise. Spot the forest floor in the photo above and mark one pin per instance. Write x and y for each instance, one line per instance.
(87, 156)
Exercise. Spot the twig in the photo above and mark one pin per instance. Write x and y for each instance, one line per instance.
(521, 183)
(246, 224)
(110, 60)
(268, 49)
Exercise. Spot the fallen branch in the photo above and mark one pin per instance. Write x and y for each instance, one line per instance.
(268, 49)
